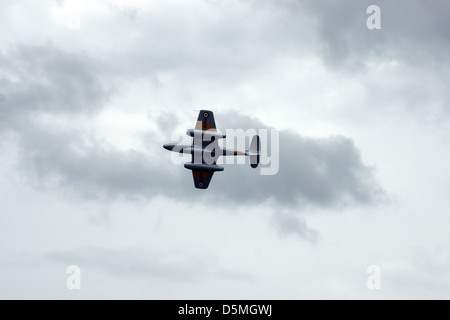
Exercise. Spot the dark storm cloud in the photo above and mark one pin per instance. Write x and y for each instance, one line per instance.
(184, 266)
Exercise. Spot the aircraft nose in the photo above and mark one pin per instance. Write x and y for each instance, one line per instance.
(168, 146)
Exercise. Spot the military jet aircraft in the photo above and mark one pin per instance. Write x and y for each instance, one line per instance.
(205, 150)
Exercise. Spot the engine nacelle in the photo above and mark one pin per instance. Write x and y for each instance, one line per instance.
(203, 167)
(205, 134)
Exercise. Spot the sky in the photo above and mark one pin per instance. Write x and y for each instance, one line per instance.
(91, 90)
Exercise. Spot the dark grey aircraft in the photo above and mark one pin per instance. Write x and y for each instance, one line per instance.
(205, 150)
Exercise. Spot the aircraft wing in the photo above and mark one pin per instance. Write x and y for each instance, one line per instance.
(202, 173)
(205, 120)
(202, 178)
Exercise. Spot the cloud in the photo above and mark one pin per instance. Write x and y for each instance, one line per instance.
(74, 105)
(208, 43)
(46, 79)
(313, 172)
(288, 223)
(183, 266)
(402, 67)
(346, 40)
(324, 172)
(318, 172)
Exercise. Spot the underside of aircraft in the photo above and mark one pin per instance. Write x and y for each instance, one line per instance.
(205, 150)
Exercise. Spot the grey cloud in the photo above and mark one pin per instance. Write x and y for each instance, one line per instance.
(46, 79)
(83, 166)
(240, 40)
(319, 172)
(128, 12)
(184, 266)
(166, 122)
(402, 66)
(410, 30)
(288, 223)
(215, 43)
(313, 172)
(228, 52)
(324, 173)
(235, 43)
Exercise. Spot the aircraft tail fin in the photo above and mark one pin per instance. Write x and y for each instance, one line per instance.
(255, 151)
